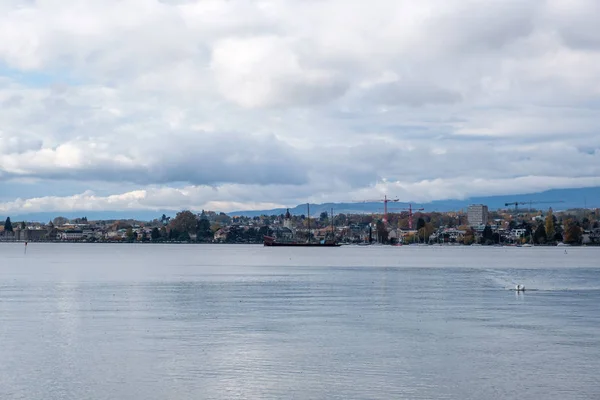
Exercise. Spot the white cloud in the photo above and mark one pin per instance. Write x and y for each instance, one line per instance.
(265, 71)
(278, 101)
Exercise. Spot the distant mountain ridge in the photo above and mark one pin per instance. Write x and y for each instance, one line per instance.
(572, 198)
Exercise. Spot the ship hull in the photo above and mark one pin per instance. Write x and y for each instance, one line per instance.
(271, 242)
(277, 244)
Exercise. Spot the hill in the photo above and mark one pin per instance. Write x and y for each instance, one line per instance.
(571, 198)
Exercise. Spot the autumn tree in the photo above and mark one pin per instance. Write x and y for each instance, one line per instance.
(184, 221)
(572, 233)
(469, 237)
(224, 219)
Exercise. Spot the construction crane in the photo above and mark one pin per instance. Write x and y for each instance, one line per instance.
(517, 203)
(385, 201)
(410, 214)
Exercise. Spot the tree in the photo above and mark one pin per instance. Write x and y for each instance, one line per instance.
(59, 221)
(8, 225)
(539, 237)
(572, 232)
(550, 231)
(155, 234)
(265, 231)
(382, 232)
(496, 237)
(203, 231)
(426, 231)
(451, 222)
(234, 234)
(183, 237)
(23, 225)
(323, 217)
(469, 237)
(173, 234)
(487, 235)
(223, 218)
(184, 221)
(341, 219)
(130, 234)
(585, 223)
(420, 223)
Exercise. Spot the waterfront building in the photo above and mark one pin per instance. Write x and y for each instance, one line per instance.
(477, 214)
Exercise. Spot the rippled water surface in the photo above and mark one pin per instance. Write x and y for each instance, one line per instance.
(223, 322)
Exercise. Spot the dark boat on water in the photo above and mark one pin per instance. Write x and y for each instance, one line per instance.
(271, 241)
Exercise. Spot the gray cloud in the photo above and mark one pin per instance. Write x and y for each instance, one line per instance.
(410, 94)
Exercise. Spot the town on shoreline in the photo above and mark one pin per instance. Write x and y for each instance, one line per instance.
(477, 226)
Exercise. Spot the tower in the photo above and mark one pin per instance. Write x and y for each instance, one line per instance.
(287, 220)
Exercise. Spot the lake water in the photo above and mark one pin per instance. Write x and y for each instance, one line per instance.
(250, 322)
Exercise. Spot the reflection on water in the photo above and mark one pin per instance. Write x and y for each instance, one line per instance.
(220, 322)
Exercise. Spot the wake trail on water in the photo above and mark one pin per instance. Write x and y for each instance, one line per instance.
(534, 281)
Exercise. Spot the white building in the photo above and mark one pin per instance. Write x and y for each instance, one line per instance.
(70, 234)
(477, 214)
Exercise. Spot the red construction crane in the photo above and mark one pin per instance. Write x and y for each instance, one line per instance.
(385, 201)
(410, 214)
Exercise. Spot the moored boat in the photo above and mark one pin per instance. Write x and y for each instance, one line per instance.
(271, 241)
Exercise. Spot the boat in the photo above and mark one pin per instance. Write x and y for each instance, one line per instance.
(271, 241)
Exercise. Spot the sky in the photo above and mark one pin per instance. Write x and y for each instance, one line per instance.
(240, 105)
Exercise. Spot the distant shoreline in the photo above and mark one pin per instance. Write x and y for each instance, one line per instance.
(260, 244)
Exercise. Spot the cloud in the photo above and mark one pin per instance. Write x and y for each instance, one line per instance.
(276, 102)
(198, 158)
(265, 71)
(236, 197)
(410, 94)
